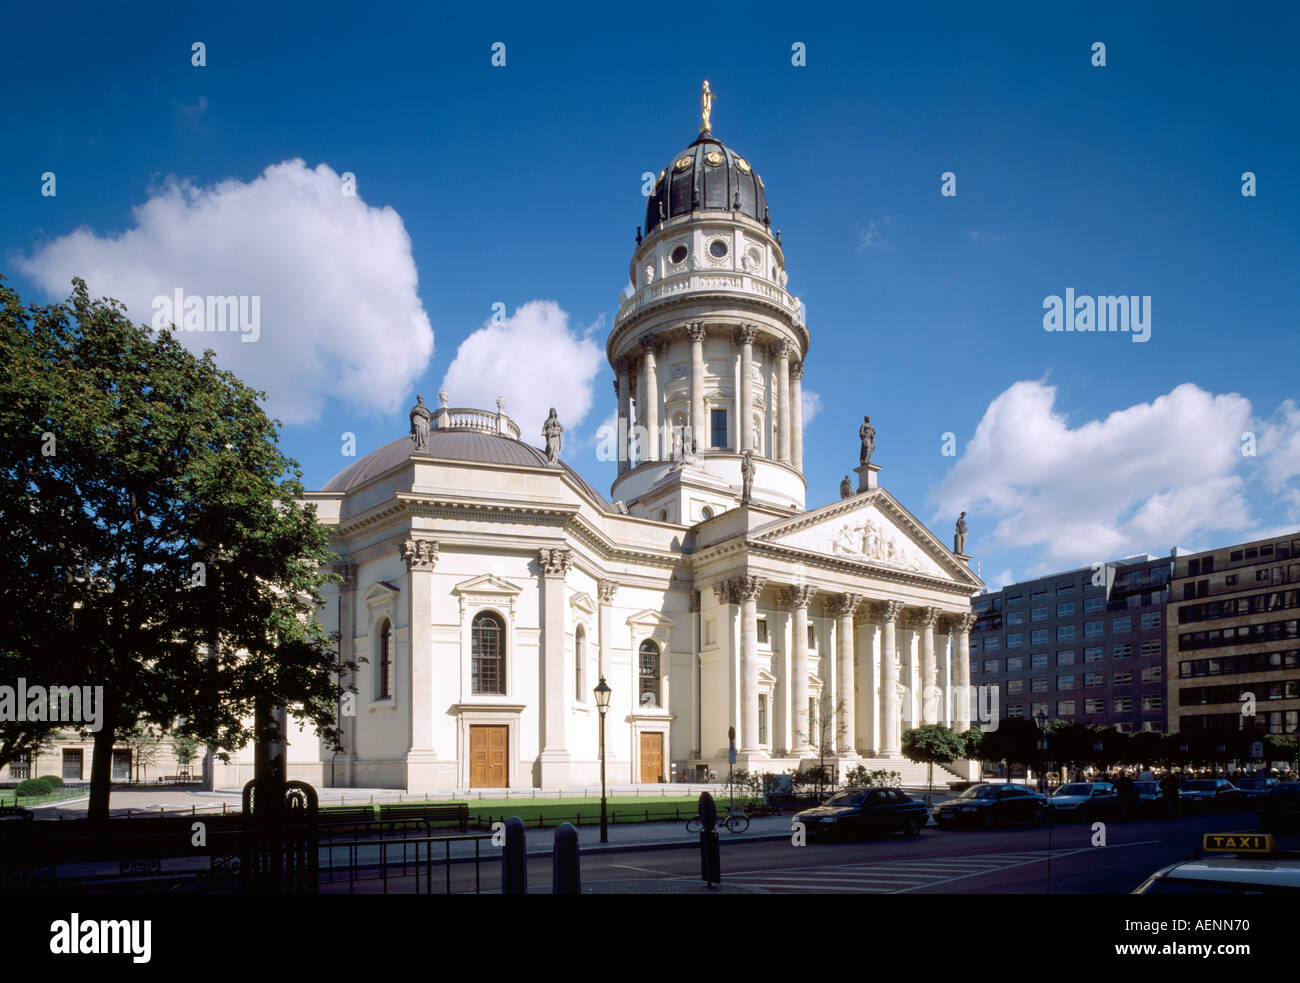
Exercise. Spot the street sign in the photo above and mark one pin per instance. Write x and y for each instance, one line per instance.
(1257, 751)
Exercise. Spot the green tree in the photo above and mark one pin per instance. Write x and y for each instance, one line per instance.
(932, 744)
(825, 733)
(155, 543)
(184, 749)
(145, 742)
(1014, 741)
(973, 748)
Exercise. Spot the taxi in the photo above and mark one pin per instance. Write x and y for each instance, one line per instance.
(1230, 863)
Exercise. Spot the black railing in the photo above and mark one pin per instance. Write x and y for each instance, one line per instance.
(419, 857)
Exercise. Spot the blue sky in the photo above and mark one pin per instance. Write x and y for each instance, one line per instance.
(522, 183)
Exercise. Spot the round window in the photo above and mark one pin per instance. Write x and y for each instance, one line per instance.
(678, 255)
(706, 513)
(717, 249)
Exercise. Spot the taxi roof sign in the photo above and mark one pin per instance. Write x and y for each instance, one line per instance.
(1238, 843)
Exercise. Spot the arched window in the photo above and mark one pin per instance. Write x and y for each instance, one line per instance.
(384, 665)
(580, 661)
(488, 654)
(649, 674)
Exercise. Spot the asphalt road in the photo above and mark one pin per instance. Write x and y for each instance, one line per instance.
(1056, 858)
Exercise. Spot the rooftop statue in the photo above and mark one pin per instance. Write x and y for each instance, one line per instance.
(552, 432)
(867, 434)
(420, 417)
(959, 539)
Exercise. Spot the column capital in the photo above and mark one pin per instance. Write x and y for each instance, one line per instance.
(607, 589)
(927, 617)
(783, 349)
(748, 588)
(652, 344)
(796, 371)
(843, 605)
(723, 591)
(747, 333)
(622, 365)
(420, 554)
(888, 611)
(695, 331)
(963, 623)
(348, 571)
(554, 562)
(797, 597)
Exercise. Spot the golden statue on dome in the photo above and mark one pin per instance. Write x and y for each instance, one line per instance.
(706, 107)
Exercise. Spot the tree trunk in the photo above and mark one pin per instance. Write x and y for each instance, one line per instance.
(101, 765)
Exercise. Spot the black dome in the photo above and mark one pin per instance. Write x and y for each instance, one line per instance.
(711, 178)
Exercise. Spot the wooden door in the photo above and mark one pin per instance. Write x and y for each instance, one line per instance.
(487, 756)
(652, 757)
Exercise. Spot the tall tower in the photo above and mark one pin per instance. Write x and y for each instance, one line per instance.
(708, 350)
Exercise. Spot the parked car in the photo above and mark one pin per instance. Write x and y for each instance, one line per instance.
(1150, 800)
(1254, 789)
(1084, 801)
(992, 805)
(864, 812)
(1209, 793)
(1280, 806)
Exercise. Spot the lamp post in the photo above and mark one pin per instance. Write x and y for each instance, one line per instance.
(602, 704)
(1040, 719)
(1297, 751)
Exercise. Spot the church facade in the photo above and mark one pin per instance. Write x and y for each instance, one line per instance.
(487, 587)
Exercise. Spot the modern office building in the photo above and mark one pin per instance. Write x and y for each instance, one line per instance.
(1086, 645)
(1232, 632)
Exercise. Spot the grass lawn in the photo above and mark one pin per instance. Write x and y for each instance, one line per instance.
(9, 798)
(585, 811)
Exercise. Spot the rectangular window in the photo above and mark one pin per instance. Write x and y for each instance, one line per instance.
(1015, 617)
(1151, 674)
(991, 665)
(1038, 614)
(1152, 701)
(1015, 686)
(1015, 598)
(1065, 610)
(1038, 636)
(1065, 682)
(812, 637)
(72, 764)
(1121, 625)
(1094, 679)
(1065, 587)
(1015, 640)
(1153, 726)
(1122, 678)
(21, 767)
(718, 437)
(1064, 708)
(1016, 664)
(1094, 705)
(1065, 657)
(1123, 704)
(1064, 633)
(1122, 650)
(1092, 604)
(708, 631)
(1037, 592)
(1038, 661)
(1094, 653)
(1038, 685)
(992, 643)
(1151, 647)
(762, 719)
(762, 631)
(1092, 629)
(1150, 619)
(1039, 709)
(1015, 710)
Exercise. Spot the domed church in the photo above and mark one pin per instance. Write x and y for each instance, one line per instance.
(487, 587)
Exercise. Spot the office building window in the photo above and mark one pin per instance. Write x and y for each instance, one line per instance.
(1038, 636)
(1123, 704)
(1065, 610)
(1150, 619)
(1015, 617)
(991, 665)
(1151, 647)
(1152, 701)
(1065, 657)
(992, 643)
(1093, 653)
(1091, 604)
(1064, 708)
(1015, 640)
(1094, 705)
(1153, 726)
(1038, 614)
(1038, 661)
(1015, 710)
(1064, 633)
(1015, 686)
(1038, 709)
(1121, 625)
(1092, 629)
(1016, 664)
(1065, 587)
(1038, 685)
(1014, 598)
(1065, 682)
(1122, 650)
(1093, 679)
(1037, 592)
(1151, 674)
(1122, 678)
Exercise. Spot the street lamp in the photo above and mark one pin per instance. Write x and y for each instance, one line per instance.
(602, 704)
(1040, 719)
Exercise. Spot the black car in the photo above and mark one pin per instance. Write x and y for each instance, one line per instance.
(1253, 790)
(1209, 793)
(1150, 798)
(1085, 801)
(1280, 807)
(863, 812)
(993, 805)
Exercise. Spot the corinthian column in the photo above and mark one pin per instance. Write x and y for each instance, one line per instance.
(699, 426)
(783, 352)
(798, 598)
(554, 565)
(748, 589)
(421, 556)
(624, 414)
(846, 703)
(796, 415)
(930, 693)
(890, 735)
(746, 395)
(961, 627)
(654, 440)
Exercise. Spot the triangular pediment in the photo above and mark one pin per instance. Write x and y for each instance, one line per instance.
(487, 584)
(380, 590)
(871, 529)
(582, 602)
(651, 619)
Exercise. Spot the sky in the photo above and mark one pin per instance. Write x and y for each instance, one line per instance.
(378, 184)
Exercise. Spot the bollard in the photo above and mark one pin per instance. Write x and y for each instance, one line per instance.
(566, 878)
(514, 870)
(710, 860)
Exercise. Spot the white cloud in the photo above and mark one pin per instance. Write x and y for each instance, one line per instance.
(340, 314)
(1278, 448)
(1001, 580)
(874, 237)
(1147, 477)
(535, 361)
(810, 404)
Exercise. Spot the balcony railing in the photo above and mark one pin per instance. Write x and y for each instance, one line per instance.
(714, 281)
(484, 421)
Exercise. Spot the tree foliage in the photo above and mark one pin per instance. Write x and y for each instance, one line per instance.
(154, 540)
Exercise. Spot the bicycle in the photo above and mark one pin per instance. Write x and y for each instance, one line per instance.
(734, 821)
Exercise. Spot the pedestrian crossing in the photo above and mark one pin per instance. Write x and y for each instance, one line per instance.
(888, 877)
